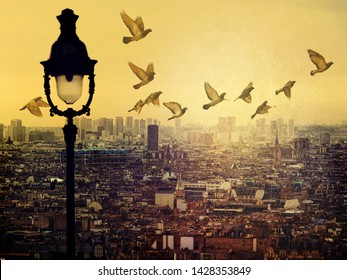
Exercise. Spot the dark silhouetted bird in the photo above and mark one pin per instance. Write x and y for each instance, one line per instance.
(138, 106)
(144, 76)
(286, 88)
(262, 109)
(136, 28)
(319, 61)
(212, 94)
(33, 106)
(176, 109)
(153, 98)
(246, 93)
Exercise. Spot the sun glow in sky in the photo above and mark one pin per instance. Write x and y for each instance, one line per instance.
(227, 43)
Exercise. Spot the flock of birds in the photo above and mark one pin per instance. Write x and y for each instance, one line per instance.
(138, 32)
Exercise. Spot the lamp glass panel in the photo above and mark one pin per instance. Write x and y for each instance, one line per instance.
(71, 91)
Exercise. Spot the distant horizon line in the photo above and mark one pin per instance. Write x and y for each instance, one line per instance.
(342, 123)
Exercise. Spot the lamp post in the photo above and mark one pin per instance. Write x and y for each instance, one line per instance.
(68, 63)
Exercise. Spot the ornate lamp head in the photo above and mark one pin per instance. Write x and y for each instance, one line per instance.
(68, 63)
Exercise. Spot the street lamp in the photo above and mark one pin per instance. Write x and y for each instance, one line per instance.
(68, 63)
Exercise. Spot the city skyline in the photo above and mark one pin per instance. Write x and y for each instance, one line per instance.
(225, 43)
(157, 199)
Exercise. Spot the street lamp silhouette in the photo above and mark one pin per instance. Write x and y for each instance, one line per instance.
(68, 63)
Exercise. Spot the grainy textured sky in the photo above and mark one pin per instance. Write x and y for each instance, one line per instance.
(227, 43)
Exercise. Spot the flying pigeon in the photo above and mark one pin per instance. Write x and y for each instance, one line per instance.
(144, 76)
(319, 61)
(138, 106)
(33, 106)
(262, 109)
(286, 89)
(136, 28)
(246, 93)
(176, 109)
(153, 98)
(212, 94)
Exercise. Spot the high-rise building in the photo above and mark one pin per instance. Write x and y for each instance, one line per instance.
(16, 130)
(119, 129)
(109, 126)
(129, 124)
(136, 128)
(82, 128)
(142, 127)
(153, 138)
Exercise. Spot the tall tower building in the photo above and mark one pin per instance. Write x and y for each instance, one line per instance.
(119, 129)
(136, 128)
(129, 124)
(109, 125)
(82, 128)
(153, 138)
(16, 130)
(142, 127)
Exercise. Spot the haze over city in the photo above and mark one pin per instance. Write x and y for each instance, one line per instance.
(226, 43)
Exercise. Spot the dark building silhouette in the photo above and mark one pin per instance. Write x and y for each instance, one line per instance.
(153, 138)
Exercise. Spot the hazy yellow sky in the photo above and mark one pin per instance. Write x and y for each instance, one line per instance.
(228, 43)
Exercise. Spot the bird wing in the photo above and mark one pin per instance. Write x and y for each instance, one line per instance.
(35, 110)
(245, 94)
(174, 107)
(266, 108)
(247, 98)
(139, 72)
(249, 85)
(149, 99)
(138, 106)
(139, 23)
(150, 68)
(155, 101)
(42, 103)
(130, 23)
(317, 59)
(212, 94)
(153, 97)
(139, 103)
(36, 99)
(262, 106)
(287, 91)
